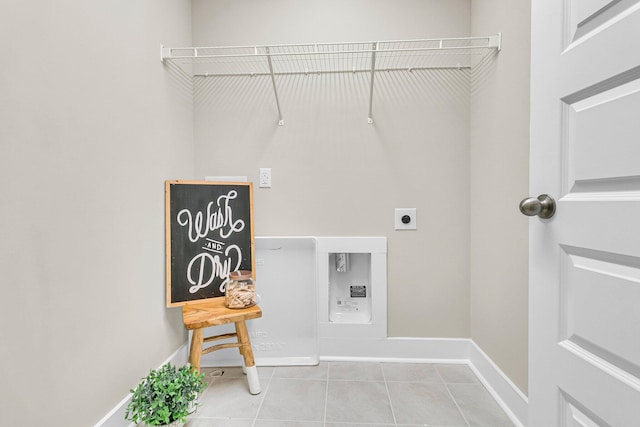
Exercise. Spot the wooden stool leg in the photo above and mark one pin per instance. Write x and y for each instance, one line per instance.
(247, 354)
(196, 349)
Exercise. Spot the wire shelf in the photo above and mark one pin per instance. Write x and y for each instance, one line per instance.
(321, 58)
(333, 57)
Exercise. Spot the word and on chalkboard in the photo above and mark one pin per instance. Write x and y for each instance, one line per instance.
(209, 234)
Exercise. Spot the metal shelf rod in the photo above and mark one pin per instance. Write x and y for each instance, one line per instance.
(368, 70)
(373, 73)
(335, 52)
(369, 42)
(275, 90)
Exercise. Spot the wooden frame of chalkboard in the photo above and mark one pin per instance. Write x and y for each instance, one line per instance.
(209, 233)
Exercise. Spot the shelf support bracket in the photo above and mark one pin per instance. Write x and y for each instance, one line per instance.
(275, 89)
(165, 52)
(495, 42)
(374, 47)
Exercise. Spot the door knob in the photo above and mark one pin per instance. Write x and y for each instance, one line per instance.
(544, 206)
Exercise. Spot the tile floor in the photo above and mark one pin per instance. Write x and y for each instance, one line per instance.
(348, 394)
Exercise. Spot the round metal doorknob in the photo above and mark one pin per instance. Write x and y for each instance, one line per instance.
(544, 206)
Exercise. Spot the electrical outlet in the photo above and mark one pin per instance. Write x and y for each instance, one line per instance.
(265, 177)
(406, 219)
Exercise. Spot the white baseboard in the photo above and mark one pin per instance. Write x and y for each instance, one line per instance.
(432, 350)
(408, 350)
(115, 418)
(504, 391)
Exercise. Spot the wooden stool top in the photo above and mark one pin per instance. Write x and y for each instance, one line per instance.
(213, 312)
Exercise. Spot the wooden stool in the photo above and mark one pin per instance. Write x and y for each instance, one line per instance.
(211, 313)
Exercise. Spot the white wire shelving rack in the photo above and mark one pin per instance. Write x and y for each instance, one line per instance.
(321, 58)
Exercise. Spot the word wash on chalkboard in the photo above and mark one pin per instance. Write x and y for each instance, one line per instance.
(209, 233)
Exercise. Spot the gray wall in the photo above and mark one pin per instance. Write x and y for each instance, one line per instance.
(499, 180)
(91, 124)
(334, 174)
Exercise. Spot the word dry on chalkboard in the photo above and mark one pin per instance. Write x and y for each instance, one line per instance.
(209, 233)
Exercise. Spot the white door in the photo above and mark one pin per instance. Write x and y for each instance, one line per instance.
(585, 260)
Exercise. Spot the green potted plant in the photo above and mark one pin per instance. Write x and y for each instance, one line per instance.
(166, 396)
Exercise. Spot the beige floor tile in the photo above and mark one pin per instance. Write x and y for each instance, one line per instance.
(229, 398)
(356, 371)
(457, 374)
(358, 401)
(410, 372)
(318, 372)
(294, 400)
(424, 403)
(477, 405)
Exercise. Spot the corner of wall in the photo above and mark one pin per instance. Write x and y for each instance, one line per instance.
(499, 179)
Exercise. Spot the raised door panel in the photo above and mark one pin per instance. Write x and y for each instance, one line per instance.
(601, 132)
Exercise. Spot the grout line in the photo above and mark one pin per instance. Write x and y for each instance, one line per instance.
(453, 398)
(264, 396)
(393, 414)
(456, 403)
(326, 394)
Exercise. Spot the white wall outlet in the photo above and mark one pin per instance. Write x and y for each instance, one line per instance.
(406, 219)
(265, 177)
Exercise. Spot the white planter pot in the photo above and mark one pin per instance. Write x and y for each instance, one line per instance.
(193, 405)
(173, 424)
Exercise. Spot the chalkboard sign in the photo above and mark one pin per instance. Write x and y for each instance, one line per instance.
(209, 233)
